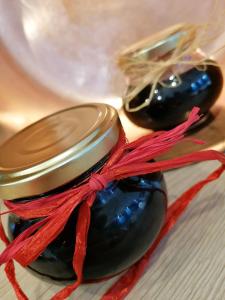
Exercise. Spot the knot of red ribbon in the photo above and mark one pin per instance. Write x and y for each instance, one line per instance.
(97, 182)
(126, 160)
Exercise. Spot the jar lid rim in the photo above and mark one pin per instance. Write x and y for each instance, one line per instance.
(56, 149)
(158, 44)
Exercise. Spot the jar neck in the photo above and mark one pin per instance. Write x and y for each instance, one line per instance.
(74, 183)
(178, 69)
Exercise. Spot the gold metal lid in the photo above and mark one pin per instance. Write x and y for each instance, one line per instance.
(158, 44)
(56, 149)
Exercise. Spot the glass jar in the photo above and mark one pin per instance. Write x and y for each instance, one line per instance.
(60, 152)
(184, 86)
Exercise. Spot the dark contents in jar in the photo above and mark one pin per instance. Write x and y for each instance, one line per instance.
(171, 105)
(125, 220)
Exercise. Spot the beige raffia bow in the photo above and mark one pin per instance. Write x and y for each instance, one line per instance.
(143, 66)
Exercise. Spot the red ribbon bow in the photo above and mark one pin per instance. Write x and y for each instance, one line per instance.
(127, 159)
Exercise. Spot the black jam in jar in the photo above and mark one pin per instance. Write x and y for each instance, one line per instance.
(171, 105)
(125, 220)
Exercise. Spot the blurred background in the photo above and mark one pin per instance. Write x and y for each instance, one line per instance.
(57, 53)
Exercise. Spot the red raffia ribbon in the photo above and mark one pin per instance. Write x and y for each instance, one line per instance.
(127, 159)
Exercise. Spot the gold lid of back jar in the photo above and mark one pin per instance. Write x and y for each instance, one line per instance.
(57, 149)
(156, 45)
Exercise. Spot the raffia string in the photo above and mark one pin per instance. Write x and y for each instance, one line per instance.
(127, 159)
(142, 69)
